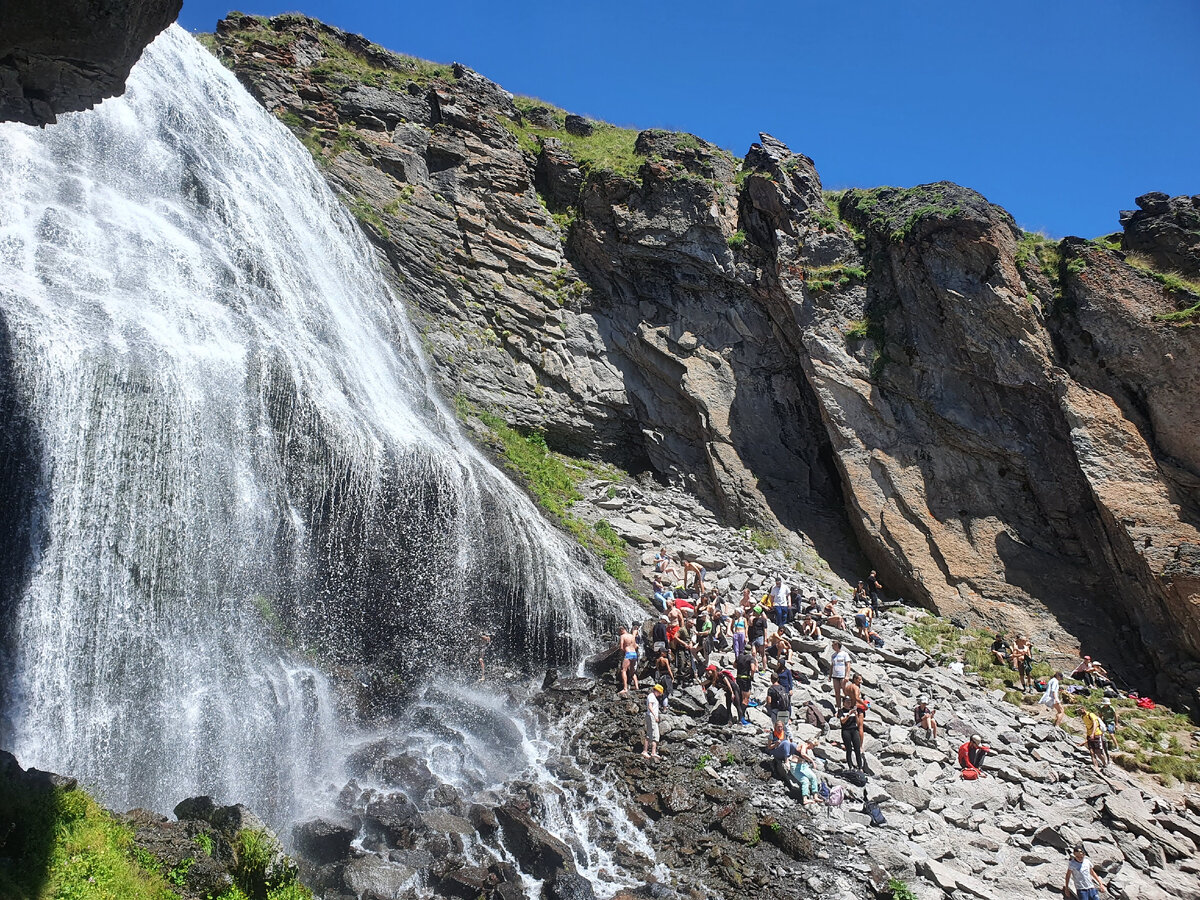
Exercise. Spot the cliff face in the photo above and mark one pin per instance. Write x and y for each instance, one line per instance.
(1003, 424)
(68, 55)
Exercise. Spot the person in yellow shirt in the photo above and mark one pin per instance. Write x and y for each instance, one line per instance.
(1094, 727)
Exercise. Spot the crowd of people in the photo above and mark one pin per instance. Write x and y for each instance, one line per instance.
(720, 642)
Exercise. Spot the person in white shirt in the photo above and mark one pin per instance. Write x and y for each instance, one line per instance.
(650, 740)
(1087, 883)
(781, 598)
(839, 672)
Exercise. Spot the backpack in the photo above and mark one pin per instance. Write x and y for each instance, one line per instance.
(1145, 703)
(858, 779)
(876, 814)
(835, 797)
(813, 716)
(823, 791)
(971, 773)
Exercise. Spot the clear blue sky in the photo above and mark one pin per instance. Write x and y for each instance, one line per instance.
(1061, 111)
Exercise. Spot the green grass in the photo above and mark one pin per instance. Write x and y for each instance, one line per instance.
(63, 845)
(1175, 284)
(899, 890)
(608, 149)
(553, 480)
(896, 211)
(261, 872)
(825, 278)
(1036, 251)
(762, 540)
(737, 240)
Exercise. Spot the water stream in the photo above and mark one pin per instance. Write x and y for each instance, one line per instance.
(224, 471)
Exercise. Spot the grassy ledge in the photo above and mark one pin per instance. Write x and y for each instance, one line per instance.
(608, 148)
(553, 479)
(1175, 284)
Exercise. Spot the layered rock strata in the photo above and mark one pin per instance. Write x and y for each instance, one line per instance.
(999, 425)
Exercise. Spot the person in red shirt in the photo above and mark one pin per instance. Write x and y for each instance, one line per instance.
(972, 754)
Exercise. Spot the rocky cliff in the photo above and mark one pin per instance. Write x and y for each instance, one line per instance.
(1000, 424)
(68, 55)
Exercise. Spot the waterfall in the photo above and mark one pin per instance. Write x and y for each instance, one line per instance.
(224, 470)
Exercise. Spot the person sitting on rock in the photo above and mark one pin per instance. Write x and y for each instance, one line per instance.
(972, 754)
(1001, 651)
(782, 750)
(860, 597)
(1091, 673)
(1087, 883)
(664, 565)
(923, 717)
(1093, 727)
(779, 651)
(662, 595)
(808, 628)
(803, 771)
(833, 618)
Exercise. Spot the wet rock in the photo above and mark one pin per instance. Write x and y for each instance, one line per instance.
(536, 850)
(322, 841)
(563, 885)
(374, 878)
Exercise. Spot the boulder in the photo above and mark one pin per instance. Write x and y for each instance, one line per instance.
(536, 851)
(322, 841)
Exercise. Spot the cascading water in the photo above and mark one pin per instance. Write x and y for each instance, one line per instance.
(221, 443)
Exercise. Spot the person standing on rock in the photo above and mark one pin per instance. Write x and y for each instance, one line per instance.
(1051, 698)
(779, 703)
(758, 636)
(1093, 727)
(839, 671)
(739, 633)
(1087, 883)
(627, 645)
(650, 740)
(781, 599)
(746, 667)
(875, 591)
(1108, 713)
(664, 676)
(860, 702)
(851, 740)
(704, 635)
(1022, 659)
(697, 572)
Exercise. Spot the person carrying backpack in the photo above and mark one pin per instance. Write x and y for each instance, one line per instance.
(779, 702)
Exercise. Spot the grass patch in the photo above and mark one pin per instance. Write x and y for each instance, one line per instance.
(1036, 251)
(1175, 284)
(896, 211)
(825, 278)
(607, 149)
(737, 240)
(553, 480)
(365, 213)
(63, 845)
(762, 541)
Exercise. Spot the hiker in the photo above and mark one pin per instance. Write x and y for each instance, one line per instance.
(779, 650)
(923, 716)
(781, 600)
(1022, 659)
(650, 739)
(697, 572)
(1052, 699)
(662, 595)
(851, 740)
(727, 682)
(739, 633)
(779, 702)
(746, 667)
(833, 618)
(839, 671)
(664, 565)
(685, 651)
(1093, 727)
(862, 621)
(1079, 868)
(665, 676)
(808, 628)
(861, 703)
(803, 772)
(1001, 652)
(1108, 714)
(627, 645)
(757, 633)
(1091, 673)
(875, 591)
(972, 754)
(704, 635)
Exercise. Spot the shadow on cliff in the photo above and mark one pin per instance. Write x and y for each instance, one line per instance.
(20, 475)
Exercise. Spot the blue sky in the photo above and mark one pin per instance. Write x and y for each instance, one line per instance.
(1060, 111)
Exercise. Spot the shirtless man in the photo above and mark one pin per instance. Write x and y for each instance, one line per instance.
(697, 572)
(833, 618)
(627, 644)
(1022, 660)
(808, 628)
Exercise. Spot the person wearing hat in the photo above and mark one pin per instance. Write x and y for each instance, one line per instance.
(1094, 727)
(1108, 713)
(1087, 883)
(650, 740)
(923, 717)
(972, 754)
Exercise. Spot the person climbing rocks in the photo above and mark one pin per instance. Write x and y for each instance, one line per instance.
(1108, 714)
(1093, 727)
(1051, 699)
(972, 754)
(862, 621)
(697, 573)
(746, 667)
(627, 646)
(727, 682)
(1079, 869)
(779, 702)
(650, 739)
(665, 676)
(839, 671)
